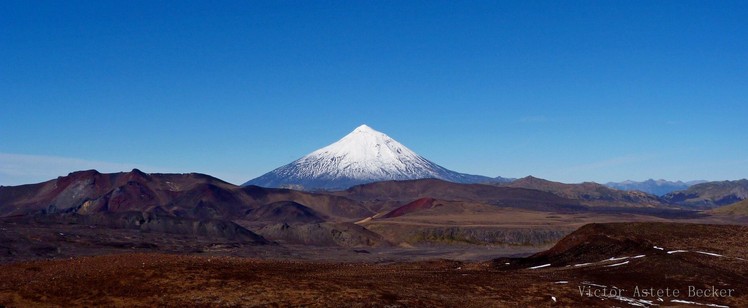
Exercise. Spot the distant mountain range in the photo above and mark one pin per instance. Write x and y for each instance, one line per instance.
(590, 193)
(651, 186)
(157, 198)
(363, 156)
(200, 205)
(424, 210)
(710, 194)
(704, 195)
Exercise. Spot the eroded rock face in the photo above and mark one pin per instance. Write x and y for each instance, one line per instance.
(322, 234)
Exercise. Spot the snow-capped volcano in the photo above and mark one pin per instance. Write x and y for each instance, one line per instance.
(363, 156)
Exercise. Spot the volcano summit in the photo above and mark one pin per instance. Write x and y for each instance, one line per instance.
(363, 156)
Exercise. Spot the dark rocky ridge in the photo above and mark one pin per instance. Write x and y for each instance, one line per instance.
(285, 212)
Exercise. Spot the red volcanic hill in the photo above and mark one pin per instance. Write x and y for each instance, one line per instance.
(171, 203)
(88, 192)
(192, 196)
(415, 206)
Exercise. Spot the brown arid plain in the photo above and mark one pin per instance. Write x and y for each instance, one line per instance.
(583, 271)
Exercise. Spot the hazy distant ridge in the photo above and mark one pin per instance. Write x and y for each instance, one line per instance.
(651, 186)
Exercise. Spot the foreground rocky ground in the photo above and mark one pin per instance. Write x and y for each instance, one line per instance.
(155, 279)
(600, 265)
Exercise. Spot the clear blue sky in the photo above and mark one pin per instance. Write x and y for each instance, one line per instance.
(565, 90)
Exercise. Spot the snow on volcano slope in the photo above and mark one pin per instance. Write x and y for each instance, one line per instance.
(363, 156)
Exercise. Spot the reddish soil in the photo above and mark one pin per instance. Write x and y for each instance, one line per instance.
(171, 280)
(417, 205)
(652, 256)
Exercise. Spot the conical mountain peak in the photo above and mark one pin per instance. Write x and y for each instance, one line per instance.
(364, 129)
(367, 149)
(363, 156)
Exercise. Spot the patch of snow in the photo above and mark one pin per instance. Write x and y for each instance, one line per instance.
(698, 304)
(634, 301)
(676, 251)
(582, 264)
(553, 298)
(658, 248)
(616, 259)
(709, 254)
(561, 282)
(540, 266)
(639, 256)
(618, 264)
(594, 285)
